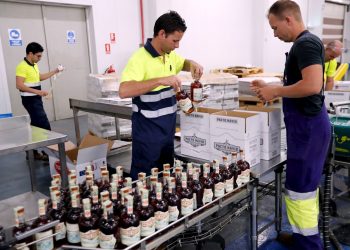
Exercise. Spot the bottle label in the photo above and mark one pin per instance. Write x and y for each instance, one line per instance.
(73, 235)
(243, 178)
(130, 235)
(185, 104)
(173, 213)
(46, 244)
(60, 228)
(148, 227)
(207, 195)
(219, 189)
(186, 206)
(229, 185)
(197, 94)
(89, 239)
(162, 219)
(194, 201)
(107, 241)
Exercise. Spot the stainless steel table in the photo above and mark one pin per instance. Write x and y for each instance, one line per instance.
(258, 171)
(17, 135)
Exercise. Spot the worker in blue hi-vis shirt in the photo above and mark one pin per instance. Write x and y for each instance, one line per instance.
(150, 79)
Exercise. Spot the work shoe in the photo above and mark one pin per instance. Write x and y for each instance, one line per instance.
(44, 157)
(285, 239)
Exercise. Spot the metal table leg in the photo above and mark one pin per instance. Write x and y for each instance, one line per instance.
(254, 215)
(117, 128)
(76, 125)
(278, 199)
(62, 156)
(32, 169)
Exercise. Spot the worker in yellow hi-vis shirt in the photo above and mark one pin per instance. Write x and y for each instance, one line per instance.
(332, 51)
(28, 79)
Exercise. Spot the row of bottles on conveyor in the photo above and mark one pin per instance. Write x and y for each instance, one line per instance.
(110, 212)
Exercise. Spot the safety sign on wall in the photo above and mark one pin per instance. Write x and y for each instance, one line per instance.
(108, 48)
(112, 37)
(71, 36)
(15, 37)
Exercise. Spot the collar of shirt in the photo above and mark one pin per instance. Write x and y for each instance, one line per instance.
(26, 60)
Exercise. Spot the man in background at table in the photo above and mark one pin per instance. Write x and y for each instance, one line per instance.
(332, 51)
(28, 78)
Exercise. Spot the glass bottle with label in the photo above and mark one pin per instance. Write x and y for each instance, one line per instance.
(142, 178)
(73, 216)
(46, 244)
(189, 174)
(105, 186)
(108, 227)
(178, 171)
(116, 202)
(244, 166)
(58, 213)
(208, 184)
(87, 188)
(186, 196)
(227, 175)
(234, 168)
(166, 176)
(174, 201)
(219, 185)
(146, 214)
(123, 207)
(198, 189)
(153, 192)
(196, 91)
(185, 102)
(20, 227)
(130, 230)
(120, 173)
(161, 212)
(88, 226)
(96, 207)
(137, 197)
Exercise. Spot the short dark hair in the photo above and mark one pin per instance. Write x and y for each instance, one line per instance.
(169, 22)
(34, 48)
(281, 7)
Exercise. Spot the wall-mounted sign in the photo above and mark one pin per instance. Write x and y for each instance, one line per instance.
(108, 48)
(15, 37)
(112, 37)
(71, 36)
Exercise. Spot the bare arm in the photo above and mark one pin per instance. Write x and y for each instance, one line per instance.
(21, 86)
(329, 83)
(137, 88)
(47, 75)
(193, 67)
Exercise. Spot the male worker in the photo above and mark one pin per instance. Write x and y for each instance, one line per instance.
(332, 51)
(150, 79)
(307, 124)
(28, 80)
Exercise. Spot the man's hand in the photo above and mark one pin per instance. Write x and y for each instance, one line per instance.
(59, 68)
(267, 93)
(196, 70)
(172, 81)
(257, 84)
(42, 93)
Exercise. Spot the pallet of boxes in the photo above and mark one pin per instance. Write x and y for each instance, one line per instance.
(104, 89)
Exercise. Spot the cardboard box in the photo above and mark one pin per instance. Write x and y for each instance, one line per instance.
(231, 131)
(195, 133)
(342, 85)
(244, 83)
(91, 151)
(336, 96)
(270, 125)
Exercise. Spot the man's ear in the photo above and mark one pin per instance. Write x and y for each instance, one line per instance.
(162, 33)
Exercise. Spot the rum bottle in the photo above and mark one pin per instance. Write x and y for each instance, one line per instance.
(244, 166)
(219, 186)
(46, 244)
(227, 175)
(20, 227)
(108, 227)
(185, 102)
(73, 216)
(96, 207)
(58, 213)
(105, 186)
(186, 196)
(130, 231)
(146, 214)
(161, 212)
(208, 184)
(196, 91)
(88, 226)
(198, 189)
(234, 168)
(174, 201)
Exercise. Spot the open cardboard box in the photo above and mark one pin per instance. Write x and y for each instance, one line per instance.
(91, 151)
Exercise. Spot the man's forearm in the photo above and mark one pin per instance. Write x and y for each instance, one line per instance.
(329, 83)
(135, 88)
(297, 90)
(48, 75)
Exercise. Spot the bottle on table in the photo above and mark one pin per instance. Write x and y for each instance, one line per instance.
(72, 223)
(227, 175)
(20, 227)
(174, 201)
(198, 189)
(88, 226)
(108, 226)
(208, 184)
(244, 166)
(219, 185)
(186, 196)
(58, 213)
(146, 215)
(96, 207)
(130, 231)
(160, 206)
(43, 219)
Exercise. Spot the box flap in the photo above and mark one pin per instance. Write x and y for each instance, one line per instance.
(68, 145)
(72, 154)
(207, 110)
(92, 153)
(235, 114)
(90, 140)
(258, 109)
